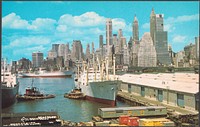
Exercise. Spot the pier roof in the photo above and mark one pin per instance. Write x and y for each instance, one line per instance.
(182, 82)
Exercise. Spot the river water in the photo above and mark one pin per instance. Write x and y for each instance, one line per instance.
(68, 109)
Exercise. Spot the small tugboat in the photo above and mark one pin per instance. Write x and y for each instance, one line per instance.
(75, 94)
(33, 93)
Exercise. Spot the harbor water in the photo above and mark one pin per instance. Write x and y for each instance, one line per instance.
(68, 109)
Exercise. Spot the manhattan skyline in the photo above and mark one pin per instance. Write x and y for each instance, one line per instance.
(34, 26)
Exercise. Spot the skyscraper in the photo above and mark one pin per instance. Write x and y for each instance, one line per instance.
(159, 37)
(77, 50)
(87, 52)
(108, 32)
(67, 52)
(61, 50)
(55, 48)
(37, 59)
(115, 40)
(147, 52)
(135, 31)
(152, 24)
(100, 41)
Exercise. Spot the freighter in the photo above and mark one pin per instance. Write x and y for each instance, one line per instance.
(42, 73)
(9, 87)
(97, 86)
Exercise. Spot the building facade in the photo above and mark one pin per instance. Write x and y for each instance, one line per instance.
(37, 59)
(135, 30)
(109, 32)
(147, 53)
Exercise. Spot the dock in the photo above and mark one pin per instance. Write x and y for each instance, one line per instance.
(176, 114)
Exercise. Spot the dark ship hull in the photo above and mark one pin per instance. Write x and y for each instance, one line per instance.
(9, 95)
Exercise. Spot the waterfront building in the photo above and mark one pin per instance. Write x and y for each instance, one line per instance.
(119, 60)
(61, 50)
(109, 32)
(173, 89)
(147, 53)
(135, 31)
(197, 48)
(37, 59)
(77, 51)
(52, 54)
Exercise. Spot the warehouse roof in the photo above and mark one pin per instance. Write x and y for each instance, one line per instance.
(132, 108)
(182, 82)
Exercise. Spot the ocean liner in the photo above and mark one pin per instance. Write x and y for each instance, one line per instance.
(97, 85)
(42, 73)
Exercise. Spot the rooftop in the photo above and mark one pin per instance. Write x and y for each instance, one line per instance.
(182, 82)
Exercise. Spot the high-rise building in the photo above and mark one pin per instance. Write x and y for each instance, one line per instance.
(147, 52)
(61, 50)
(100, 41)
(52, 54)
(67, 52)
(37, 59)
(93, 50)
(152, 24)
(55, 47)
(115, 39)
(87, 52)
(135, 31)
(159, 37)
(126, 55)
(120, 33)
(161, 45)
(179, 59)
(77, 50)
(159, 22)
(197, 47)
(108, 32)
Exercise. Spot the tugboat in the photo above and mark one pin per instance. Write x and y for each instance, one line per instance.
(75, 94)
(33, 93)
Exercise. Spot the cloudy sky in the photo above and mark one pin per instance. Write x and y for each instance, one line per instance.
(34, 26)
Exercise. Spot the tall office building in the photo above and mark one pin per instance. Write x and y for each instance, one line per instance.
(55, 47)
(135, 31)
(100, 41)
(52, 54)
(152, 24)
(126, 55)
(67, 52)
(61, 50)
(37, 59)
(115, 39)
(93, 50)
(77, 50)
(108, 32)
(120, 33)
(87, 52)
(159, 37)
(146, 52)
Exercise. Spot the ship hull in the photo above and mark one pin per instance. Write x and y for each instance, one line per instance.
(102, 92)
(47, 75)
(9, 95)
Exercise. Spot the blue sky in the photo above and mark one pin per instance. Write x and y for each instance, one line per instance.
(34, 26)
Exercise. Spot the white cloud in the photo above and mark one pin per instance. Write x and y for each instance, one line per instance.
(118, 24)
(29, 41)
(146, 26)
(179, 38)
(43, 24)
(169, 27)
(14, 21)
(183, 18)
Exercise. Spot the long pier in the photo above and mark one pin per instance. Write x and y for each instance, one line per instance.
(179, 115)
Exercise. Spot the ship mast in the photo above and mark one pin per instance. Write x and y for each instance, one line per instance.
(107, 75)
(114, 68)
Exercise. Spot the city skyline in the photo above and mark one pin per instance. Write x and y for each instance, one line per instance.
(23, 33)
